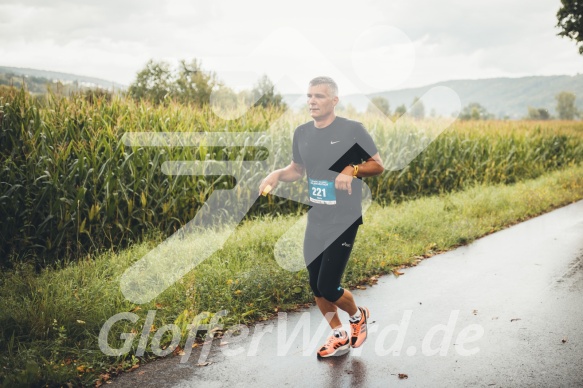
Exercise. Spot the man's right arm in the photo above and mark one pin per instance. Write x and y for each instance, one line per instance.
(290, 173)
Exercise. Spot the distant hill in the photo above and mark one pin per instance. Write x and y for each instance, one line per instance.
(504, 97)
(37, 80)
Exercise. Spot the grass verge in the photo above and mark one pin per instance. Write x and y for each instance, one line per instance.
(49, 323)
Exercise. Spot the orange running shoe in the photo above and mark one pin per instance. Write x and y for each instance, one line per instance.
(358, 331)
(335, 346)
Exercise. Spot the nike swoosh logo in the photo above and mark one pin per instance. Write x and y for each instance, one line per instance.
(334, 142)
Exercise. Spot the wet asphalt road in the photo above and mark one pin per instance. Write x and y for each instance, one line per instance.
(504, 311)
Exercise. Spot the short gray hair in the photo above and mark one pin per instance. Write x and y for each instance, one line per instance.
(326, 81)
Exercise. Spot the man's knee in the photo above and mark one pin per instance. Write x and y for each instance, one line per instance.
(331, 294)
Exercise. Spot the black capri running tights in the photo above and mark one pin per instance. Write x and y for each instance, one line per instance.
(331, 256)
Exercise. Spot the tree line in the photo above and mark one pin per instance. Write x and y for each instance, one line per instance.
(380, 105)
(189, 83)
(565, 108)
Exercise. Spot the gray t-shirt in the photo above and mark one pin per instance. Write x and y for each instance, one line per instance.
(324, 153)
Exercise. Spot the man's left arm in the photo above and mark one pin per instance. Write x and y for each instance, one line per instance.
(371, 167)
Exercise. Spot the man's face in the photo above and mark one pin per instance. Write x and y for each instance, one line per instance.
(321, 102)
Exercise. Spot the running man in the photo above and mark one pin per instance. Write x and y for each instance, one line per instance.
(334, 152)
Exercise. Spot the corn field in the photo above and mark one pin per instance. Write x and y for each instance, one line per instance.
(69, 186)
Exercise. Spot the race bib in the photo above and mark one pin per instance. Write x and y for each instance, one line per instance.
(322, 192)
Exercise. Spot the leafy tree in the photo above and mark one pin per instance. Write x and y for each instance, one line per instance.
(401, 110)
(229, 104)
(187, 84)
(265, 95)
(379, 103)
(475, 111)
(570, 21)
(538, 114)
(347, 110)
(566, 106)
(224, 98)
(417, 109)
(153, 83)
(193, 85)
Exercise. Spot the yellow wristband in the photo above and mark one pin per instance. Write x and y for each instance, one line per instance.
(355, 173)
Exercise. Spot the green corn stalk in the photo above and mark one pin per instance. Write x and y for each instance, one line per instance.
(68, 186)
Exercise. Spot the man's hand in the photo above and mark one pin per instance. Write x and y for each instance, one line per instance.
(344, 180)
(271, 180)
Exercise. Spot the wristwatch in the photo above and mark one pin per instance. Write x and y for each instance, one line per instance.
(355, 172)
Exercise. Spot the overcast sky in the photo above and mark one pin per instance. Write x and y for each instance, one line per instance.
(369, 45)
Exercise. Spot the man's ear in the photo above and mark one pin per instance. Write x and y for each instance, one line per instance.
(335, 99)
